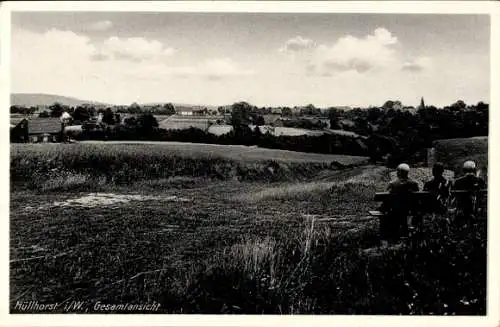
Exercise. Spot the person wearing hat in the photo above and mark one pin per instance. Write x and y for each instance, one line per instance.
(403, 183)
(440, 187)
(395, 223)
(469, 182)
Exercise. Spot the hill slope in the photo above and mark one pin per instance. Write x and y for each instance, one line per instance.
(454, 152)
(39, 99)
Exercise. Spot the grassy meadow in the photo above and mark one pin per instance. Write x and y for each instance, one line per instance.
(65, 166)
(225, 230)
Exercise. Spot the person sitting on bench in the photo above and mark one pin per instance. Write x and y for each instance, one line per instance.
(394, 223)
(466, 202)
(440, 187)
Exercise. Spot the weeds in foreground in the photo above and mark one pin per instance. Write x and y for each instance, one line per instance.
(321, 271)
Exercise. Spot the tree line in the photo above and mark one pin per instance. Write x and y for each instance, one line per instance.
(390, 132)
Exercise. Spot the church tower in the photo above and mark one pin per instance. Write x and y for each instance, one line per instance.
(422, 104)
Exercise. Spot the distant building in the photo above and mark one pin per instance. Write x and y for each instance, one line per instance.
(44, 130)
(276, 111)
(343, 108)
(19, 130)
(179, 122)
(272, 119)
(66, 118)
(422, 103)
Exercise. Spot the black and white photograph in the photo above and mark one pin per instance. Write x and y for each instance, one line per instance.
(248, 162)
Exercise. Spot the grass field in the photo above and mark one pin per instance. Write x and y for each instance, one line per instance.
(226, 245)
(55, 166)
(454, 152)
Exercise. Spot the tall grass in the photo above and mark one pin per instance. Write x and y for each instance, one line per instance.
(60, 166)
(324, 271)
(323, 268)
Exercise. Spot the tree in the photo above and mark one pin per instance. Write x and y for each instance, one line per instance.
(134, 108)
(481, 106)
(81, 114)
(56, 109)
(310, 110)
(334, 116)
(389, 104)
(374, 114)
(169, 109)
(457, 106)
(286, 111)
(146, 122)
(240, 115)
(108, 117)
(130, 121)
(259, 121)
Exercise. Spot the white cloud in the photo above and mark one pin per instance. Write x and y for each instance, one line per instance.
(363, 70)
(215, 69)
(102, 25)
(297, 44)
(222, 67)
(417, 65)
(360, 54)
(66, 63)
(132, 49)
(375, 52)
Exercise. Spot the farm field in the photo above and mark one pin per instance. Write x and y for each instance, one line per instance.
(94, 163)
(300, 244)
(276, 131)
(238, 152)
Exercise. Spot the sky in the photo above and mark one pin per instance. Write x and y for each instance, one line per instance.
(266, 59)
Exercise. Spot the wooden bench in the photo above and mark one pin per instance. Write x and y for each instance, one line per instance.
(424, 198)
(421, 197)
(480, 200)
(421, 203)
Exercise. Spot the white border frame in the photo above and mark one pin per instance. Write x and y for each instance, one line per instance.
(423, 7)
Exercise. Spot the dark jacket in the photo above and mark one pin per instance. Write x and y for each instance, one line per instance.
(403, 186)
(401, 203)
(440, 187)
(469, 182)
(466, 203)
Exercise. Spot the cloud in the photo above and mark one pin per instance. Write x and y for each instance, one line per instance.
(134, 49)
(223, 67)
(36, 49)
(297, 44)
(350, 53)
(67, 63)
(213, 69)
(102, 25)
(417, 65)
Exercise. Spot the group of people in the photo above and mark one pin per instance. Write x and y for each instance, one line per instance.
(401, 203)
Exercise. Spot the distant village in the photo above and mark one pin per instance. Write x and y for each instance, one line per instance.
(62, 123)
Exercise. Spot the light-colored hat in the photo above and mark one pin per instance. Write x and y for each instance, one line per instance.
(469, 165)
(403, 167)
